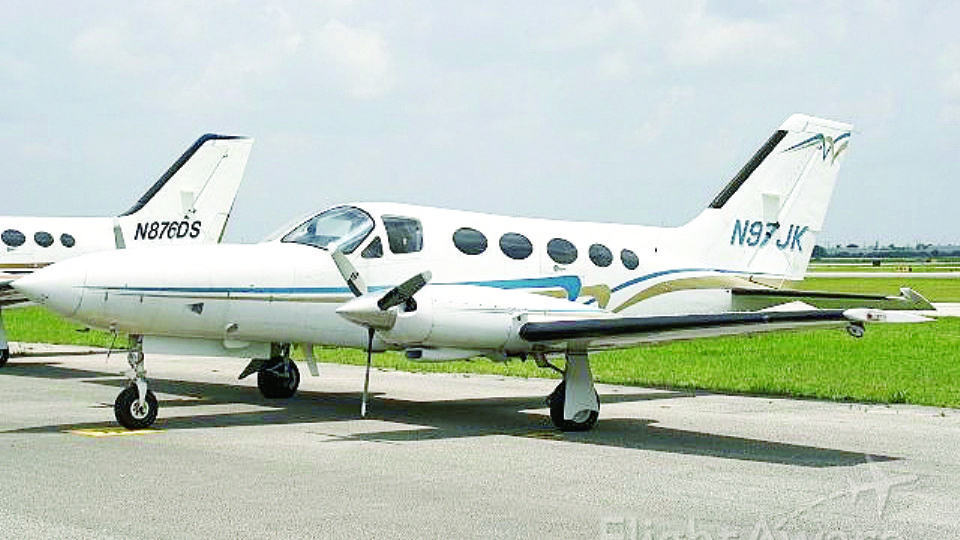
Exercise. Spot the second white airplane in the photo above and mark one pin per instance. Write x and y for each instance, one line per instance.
(189, 204)
(445, 285)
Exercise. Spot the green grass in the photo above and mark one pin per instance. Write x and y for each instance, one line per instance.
(37, 325)
(914, 363)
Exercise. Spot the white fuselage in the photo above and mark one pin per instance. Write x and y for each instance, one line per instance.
(30, 242)
(280, 291)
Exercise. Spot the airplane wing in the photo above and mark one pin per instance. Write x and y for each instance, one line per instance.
(629, 331)
(751, 299)
(8, 295)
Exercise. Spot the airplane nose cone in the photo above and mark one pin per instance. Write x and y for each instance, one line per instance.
(58, 287)
(365, 312)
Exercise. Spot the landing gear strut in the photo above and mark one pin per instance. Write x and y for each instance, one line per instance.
(136, 407)
(277, 377)
(4, 346)
(574, 404)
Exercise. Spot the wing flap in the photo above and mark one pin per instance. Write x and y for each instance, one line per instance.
(625, 331)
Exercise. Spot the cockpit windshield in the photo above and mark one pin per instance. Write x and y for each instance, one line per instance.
(343, 228)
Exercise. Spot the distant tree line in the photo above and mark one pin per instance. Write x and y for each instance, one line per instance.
(876, 251)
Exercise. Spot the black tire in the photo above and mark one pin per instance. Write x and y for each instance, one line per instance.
(278, 379)
(4, 356)
(129, 414)
(556, 402)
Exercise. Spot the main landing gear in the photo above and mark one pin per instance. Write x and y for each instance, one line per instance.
(136, 407)
(4, 346)
(278, 376)
(574, 404)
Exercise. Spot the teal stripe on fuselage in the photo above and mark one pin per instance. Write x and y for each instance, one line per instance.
(571, 284)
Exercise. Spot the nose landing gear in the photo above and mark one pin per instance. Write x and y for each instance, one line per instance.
(136, 407)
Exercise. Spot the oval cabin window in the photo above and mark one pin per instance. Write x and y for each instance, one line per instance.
(600, 255)
(13, 238)
(561, 251)
(516, 246)
(629, 259)
(470, 241)
(43, 239)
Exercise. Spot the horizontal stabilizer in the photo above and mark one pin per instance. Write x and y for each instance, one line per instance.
(751, 299)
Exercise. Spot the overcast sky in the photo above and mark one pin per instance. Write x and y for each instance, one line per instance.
(623, 111)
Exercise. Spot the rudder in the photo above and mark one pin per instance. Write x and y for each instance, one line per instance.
(192, 201)
(766, 220)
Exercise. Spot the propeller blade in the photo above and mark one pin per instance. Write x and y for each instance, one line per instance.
(366, 376)
(349, 273)
(404, 291)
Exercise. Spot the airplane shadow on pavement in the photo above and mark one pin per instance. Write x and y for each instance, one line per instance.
(428, 420)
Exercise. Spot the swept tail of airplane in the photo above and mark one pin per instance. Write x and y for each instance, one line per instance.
(766, 220)
(192, 201)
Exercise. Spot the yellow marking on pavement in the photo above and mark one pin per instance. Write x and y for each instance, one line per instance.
(548, 435)
(112, 432)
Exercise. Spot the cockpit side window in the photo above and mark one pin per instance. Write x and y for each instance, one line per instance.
(343, 228)
(374, 250)
(404, 235)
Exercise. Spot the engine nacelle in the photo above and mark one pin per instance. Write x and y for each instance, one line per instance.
(439, 355)
(474, 318)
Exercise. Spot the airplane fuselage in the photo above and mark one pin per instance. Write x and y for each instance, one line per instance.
(288, 291)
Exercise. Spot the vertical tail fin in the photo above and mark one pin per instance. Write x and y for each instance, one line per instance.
(766, 220)
(192, 201)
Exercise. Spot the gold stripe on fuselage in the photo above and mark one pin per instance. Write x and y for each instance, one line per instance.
(685, 284)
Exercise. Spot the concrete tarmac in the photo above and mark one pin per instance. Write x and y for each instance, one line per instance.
(456, 456)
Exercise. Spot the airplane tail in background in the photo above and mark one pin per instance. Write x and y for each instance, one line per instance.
(192, 201)
(767, 219)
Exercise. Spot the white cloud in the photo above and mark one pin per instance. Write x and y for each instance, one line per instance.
(358, 58)
(949, 64)
(707, 39)
(661, 115)
(601, 25)
(614, 66)
(109, 44)
(221, 72)
(13, 68)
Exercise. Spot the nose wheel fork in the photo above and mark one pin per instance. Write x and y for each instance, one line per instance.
(136, 407)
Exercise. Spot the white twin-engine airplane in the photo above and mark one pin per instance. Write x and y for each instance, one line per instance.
(444, 285)
(189, 204)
